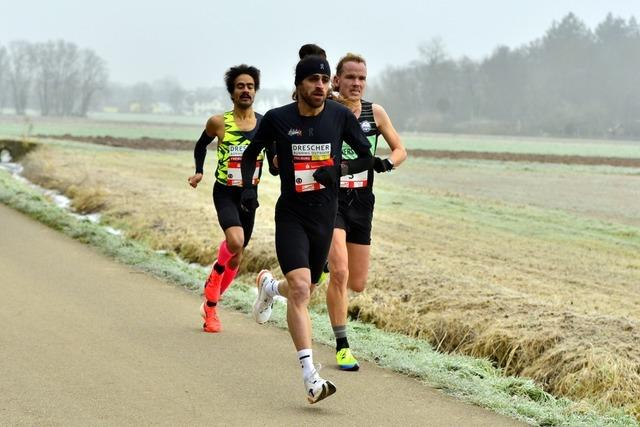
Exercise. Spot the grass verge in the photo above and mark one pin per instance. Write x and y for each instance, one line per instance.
(472, 380)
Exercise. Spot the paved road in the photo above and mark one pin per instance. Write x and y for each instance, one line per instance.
(87, 341)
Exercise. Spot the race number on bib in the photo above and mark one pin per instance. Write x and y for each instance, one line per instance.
(307, 158)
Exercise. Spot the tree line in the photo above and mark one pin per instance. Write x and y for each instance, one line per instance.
(59, 79)
(63, 78)
(573, 81)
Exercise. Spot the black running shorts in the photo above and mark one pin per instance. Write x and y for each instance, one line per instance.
(303, 236)
(355, 214)
(227, 202)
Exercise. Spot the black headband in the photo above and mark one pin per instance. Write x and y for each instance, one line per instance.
(309, 65)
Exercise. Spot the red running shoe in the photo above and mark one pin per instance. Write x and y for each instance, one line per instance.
(211, 321)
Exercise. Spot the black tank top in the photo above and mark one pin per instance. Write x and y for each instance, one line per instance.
(362, 180)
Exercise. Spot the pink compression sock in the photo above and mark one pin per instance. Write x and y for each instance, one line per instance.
(227, 278)
(224, 254)
(212, 286)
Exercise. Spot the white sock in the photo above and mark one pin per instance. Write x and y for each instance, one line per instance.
(271, 288)
(305, 356)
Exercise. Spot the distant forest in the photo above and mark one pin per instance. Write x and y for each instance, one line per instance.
(573, 81)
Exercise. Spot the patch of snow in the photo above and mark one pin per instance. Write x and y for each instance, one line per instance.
(5, 156)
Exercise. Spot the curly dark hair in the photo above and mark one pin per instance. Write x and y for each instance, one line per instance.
(233, 73)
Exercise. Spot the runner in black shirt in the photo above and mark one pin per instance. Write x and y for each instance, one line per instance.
(308, 137)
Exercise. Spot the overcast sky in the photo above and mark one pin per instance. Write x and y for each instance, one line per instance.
(195, 41)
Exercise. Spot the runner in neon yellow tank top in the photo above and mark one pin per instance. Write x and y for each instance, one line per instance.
(233, 130)
(230, 151)
(351, 243)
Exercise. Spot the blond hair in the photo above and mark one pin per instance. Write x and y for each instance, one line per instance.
(349, 57)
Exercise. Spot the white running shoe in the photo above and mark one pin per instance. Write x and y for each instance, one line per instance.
(318, 388)
(264, 303)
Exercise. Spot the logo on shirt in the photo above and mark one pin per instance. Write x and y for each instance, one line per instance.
(295, 132)
(365, 126)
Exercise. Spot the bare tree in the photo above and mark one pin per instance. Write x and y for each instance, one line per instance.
(93, 78)
(20, 73)
(44, 57)
(56, 67)
(4, 72)
(434, 51)
(66, 78)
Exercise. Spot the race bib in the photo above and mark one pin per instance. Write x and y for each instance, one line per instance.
(234, 174)
(234, 171)
(357, 180)
(307, 158)
(304, 175)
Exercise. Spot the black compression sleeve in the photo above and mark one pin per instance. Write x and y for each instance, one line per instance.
(200, 151)
(248, 165)
(263, 138)
(270, 151)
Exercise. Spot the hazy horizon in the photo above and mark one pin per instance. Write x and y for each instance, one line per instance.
(144, 41)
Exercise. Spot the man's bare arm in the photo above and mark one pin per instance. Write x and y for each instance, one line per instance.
(389, 133)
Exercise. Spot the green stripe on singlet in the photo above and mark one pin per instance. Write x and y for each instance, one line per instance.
(370, 129)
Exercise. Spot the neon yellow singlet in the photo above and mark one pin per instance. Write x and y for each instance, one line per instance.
(230, 151)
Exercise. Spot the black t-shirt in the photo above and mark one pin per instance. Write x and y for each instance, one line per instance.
(304, 144)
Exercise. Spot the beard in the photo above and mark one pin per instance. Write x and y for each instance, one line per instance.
(311, 101)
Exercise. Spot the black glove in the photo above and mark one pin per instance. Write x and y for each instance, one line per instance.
(249, 200)
(326, 175)
(353, 166)
(380, 165)
(274, 170)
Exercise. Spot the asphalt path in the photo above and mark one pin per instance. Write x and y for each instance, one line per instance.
(87, 341)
